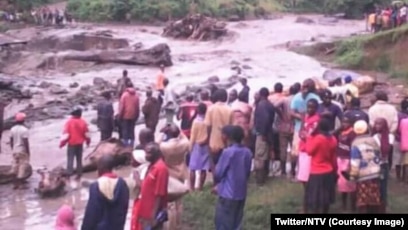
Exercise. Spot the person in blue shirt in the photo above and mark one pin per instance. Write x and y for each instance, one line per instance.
(298, 108)
(231, 180)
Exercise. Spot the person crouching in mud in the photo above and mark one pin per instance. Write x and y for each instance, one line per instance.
(21, 149)
(75, 135)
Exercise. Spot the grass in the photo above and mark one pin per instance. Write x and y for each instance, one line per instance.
(278, 196)
(385, 52)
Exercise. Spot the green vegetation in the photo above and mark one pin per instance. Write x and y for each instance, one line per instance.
(141, 10)
(278, 196)
(385, 52)
(351, 8)
(117, 10)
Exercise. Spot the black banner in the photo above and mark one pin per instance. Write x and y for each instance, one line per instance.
(339, 221)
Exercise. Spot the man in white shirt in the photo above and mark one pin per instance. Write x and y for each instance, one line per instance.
(21, 149)
(383, 109)
(169, 102)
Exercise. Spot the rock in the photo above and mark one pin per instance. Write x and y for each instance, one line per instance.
(156, 55)
(234, 18)
(80, 41)
(98, 81)
(196, 27)
(247, 59)
(45, 85)
(305, 20)
(55, 89)
(246, 67)
(213, 79)
(328, 20)
(74, 85)
(234, 63)
(138, 46)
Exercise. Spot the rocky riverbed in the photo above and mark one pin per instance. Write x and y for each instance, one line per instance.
(54, 72)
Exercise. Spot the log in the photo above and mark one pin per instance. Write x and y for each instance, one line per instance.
(196, 27)
(156, 56)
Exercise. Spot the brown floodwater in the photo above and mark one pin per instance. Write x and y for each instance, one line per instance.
(256, 44)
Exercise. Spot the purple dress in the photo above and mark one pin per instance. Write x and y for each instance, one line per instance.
(200, 154)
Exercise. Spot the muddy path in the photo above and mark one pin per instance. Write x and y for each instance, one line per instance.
(258, 47)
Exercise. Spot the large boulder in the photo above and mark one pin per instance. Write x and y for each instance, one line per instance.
(80, 41)
(304, 20)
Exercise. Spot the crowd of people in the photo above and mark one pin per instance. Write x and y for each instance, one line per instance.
(387, 18)
(322, 138)
(41, 16)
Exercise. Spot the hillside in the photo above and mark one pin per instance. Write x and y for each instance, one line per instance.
(383, 52)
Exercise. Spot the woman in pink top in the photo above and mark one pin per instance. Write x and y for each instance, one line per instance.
(241, 116)
(310, 122)
(403, 127)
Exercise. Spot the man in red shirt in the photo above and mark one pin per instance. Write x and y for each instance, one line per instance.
(129, 111)
(75, 135)
(149, 211)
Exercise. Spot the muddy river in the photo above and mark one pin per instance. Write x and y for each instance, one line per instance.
(259, 45)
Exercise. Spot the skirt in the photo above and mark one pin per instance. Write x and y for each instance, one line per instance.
(320, 190)
(399, 157)
(368, 193)
(343, 185)
(199, 157)
(304, 167)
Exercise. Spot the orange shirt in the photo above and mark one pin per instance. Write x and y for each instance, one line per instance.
(159, 81)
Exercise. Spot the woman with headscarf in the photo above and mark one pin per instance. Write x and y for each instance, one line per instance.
(65, 219)
(385, 140)
(241, 115)
(345, 136)
(365, 169)
(321, 147)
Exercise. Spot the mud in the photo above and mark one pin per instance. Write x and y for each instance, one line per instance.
(258, 48)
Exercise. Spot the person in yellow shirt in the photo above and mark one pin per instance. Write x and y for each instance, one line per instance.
(371, 21)
(351, 88)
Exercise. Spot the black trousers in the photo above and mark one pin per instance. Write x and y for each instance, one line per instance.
(106, 134)
(128, 129)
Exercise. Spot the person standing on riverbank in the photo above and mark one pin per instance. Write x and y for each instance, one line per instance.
(75, 134)
(108, 199)
(150, 208)
(383, 109)
(205, 98)
(122, 83)
(186, 114)
(231, 179)
(21, 149)
(151, 111)
(399, 154)
(356, 112)
(169, 102)
(264, 117)
(105, 116)
(298, 108)
(245, 89)
(175, 150)
(129, 112)
(218, 115)
(199, 150)
(160, 81)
